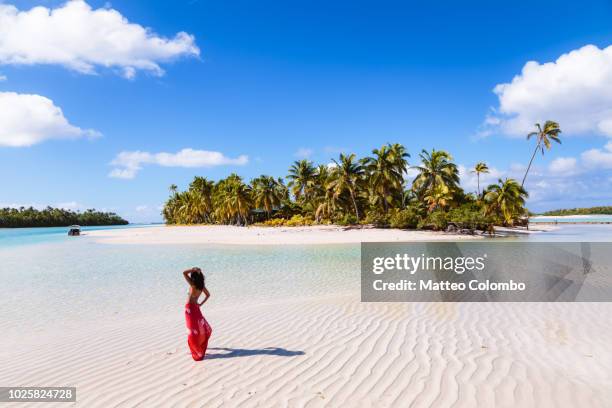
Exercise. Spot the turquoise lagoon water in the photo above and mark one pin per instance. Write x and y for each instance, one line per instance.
(573, 219)
(21, 236)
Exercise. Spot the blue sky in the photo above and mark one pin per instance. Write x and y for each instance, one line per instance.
(277, 81)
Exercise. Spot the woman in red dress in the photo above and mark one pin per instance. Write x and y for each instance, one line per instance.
(197, 326)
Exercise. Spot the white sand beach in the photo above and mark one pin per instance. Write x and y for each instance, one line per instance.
(226, 234)
(333, 351)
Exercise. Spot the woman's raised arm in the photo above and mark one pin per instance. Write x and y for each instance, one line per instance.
(186, 276)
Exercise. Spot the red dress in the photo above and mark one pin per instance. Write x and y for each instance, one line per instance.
(199, 331)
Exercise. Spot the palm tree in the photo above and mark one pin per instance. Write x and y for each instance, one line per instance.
(202, 184)
(347, 176)
(386, 173)
(437, 169)
(268, 193)
(322, 175)
(201, 190)
(233, 202)
(506, 199)
(544, 135)
(326, 204)
(439, 197)
(320, 194)
(173, 189)
(182, 208)
(480, 168)
(301, 179)
(400, 157)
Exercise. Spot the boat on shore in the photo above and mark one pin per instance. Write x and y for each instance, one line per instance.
(74, 230)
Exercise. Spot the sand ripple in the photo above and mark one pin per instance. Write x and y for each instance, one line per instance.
(336, 352)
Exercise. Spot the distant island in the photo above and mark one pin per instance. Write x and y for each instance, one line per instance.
(604, 210)
(55, 217)
(372, 190)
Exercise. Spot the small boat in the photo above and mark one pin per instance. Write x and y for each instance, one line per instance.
(74, 231)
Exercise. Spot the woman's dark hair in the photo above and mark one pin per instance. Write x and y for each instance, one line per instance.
(197, 277)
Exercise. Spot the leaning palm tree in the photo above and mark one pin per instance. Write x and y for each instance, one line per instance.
(506, 200)
(301, 179)
(347, 176)
(480, 168)
(550, 131)
(436, 169)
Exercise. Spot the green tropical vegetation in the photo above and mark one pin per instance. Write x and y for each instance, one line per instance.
(373, 190)
(505, 199)
(55, 217)
(603, 210)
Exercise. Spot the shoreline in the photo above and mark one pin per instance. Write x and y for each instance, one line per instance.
(571, 222)
(233, 235)
(309, 235)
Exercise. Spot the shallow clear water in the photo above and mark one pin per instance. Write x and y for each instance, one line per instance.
(63, 283)
(573, 233)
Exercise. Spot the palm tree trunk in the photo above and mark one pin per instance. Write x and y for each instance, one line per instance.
(355, 205)
(530, 161)
(385, 204)
(478, 178)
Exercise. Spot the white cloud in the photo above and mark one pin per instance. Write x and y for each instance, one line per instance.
(128, 164)
(80, 38)
(304, 152)
(3, 78)
(575, 90)
(598, 158)
(142, 208)
(563, 166)
(29, 119)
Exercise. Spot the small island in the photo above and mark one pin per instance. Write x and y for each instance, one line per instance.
(55, 217)
(350, 191)
(603, 210)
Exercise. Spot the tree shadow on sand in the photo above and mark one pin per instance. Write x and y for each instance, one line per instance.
(268, 351)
